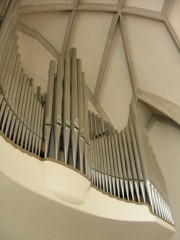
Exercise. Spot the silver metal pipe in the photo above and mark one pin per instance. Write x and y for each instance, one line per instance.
(96, 160)
(104, 156)
(74, 110)
(29, 119)
(37, 123)
(80, 112)
(85, 107)
(86, 159)
(50, 91)
(35, 130)
(49, 105)
(98, 152)
(58, 103)
(8, 22)
(112, 169)
(12, 99)
(127, 162)
(5, 36)
(74, 144)
(80, 97)
(108, 157)
(6, 83)
(66, 108)
(132, 162)
(92, 161)
(38, 129)
(74, 89)
(32, 124)
(4, 108)
(41, 130)
(136, 152)
(11, 44)
(17, 103)
(101, 152)
(8, 94)
(81, 144)
(123, 164)
(131, 154)
(93, 137)
(22, 114)
(119, 164)
(18, 107)
(59, 89)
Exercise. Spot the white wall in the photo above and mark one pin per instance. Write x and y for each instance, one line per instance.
(166, 145)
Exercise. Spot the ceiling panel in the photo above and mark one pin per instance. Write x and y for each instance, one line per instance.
(88, 35)
(51, 25)
(155, 5)
(116, 91)
(174, 16)
(155, 57)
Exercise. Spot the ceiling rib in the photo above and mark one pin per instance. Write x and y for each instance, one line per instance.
(94, 7)
(69, 26)
(105, 55)
(127, 53)
(46, 7)
(163, 119)
(98, 7)
(168, 108)
(36, 35)
(166, 7)
(143, 12)
(172, 33)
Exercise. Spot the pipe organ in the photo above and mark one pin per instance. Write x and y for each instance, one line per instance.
(66, 115)
(58, 125)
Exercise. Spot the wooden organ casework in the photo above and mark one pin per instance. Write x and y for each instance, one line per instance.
(58, 125)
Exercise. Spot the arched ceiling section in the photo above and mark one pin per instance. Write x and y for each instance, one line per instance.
(52, 25)
(155, 57)
(148, 58)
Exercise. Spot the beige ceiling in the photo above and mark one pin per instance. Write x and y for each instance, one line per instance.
(124, 46)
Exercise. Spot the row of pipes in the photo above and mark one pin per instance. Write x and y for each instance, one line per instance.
(116, 166)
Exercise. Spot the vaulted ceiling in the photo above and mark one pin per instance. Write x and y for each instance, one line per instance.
(124, 46)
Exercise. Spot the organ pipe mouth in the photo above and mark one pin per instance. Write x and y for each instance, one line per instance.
(57, 124)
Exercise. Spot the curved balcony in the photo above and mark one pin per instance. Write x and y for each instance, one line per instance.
(49, 199)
